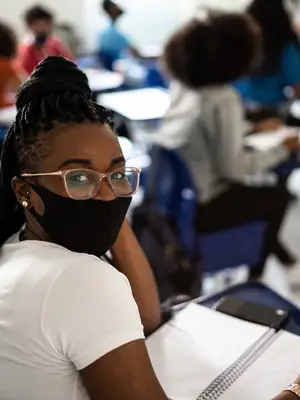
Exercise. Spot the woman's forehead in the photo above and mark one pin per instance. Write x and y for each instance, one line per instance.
(96, 143)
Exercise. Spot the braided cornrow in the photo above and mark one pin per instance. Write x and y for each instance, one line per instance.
(57, 92)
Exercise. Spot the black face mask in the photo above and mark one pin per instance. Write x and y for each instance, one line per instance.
(41, 38)
(83, 226)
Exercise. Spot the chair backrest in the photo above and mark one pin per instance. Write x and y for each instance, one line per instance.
(154, 77)
(175, 194)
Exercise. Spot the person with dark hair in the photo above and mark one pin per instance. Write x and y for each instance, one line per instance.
(205, 123)
(113, 43)
(41, 42)
(69, 324)
(265, 87)
(10, 79)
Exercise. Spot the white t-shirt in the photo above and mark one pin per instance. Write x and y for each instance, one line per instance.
(59, 312)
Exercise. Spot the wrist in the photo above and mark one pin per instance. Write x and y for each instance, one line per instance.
(293, 391)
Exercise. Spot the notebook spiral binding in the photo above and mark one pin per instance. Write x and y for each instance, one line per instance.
(227, 378)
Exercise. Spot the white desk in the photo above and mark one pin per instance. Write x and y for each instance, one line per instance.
(7, 116)
(134, 154)
(101, 80)
(152, 51)
(137, 105)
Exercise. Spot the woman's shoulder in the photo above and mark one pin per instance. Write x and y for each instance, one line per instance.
(218, 96)
(56, 258)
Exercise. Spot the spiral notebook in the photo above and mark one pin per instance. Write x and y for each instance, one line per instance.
(202, 354)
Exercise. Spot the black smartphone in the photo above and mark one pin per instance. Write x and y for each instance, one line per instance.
(275, 318)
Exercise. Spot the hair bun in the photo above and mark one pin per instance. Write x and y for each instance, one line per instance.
(53, 75)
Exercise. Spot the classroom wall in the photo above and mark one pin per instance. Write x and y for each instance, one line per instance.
(70, 11)
(146, 22)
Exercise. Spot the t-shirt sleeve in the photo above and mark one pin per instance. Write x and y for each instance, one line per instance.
(90, 311)
(291, 65)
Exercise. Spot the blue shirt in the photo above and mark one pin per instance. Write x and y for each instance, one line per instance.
(268, 90)
(113, 43)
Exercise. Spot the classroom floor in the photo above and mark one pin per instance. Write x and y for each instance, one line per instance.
(276, 276)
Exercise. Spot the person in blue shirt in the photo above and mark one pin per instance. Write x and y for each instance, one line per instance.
(113, 43)
(281, 57)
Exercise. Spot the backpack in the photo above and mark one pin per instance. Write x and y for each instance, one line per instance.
(175, 273)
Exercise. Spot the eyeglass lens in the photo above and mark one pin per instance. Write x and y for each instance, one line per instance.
(84, 184)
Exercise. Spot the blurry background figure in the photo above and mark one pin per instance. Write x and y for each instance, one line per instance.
(41, 43)
(69, 37)
(280, 67)
(205, 125)
(114, 45)
(10, 78)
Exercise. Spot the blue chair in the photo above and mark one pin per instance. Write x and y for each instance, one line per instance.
(154, 77)
(175, 194)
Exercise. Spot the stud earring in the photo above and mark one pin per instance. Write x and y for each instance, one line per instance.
(25, 204)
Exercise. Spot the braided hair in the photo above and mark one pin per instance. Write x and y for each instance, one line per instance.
(56, 92)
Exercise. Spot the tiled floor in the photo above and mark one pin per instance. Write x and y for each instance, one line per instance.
(276, 277)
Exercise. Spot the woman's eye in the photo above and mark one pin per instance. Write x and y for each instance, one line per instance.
(118, 176)
(78, 178)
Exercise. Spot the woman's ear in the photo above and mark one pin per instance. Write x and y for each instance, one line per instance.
(22, 192)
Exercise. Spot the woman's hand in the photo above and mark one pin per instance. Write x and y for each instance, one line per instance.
(289, 395)
(292, 143)
(270, 124)
(132, 262)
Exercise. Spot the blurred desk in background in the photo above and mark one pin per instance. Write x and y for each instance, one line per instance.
(138, 105)
(102, 80)
(7, 116)
(151, 52)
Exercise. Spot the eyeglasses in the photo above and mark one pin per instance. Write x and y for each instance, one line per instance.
(83, 184)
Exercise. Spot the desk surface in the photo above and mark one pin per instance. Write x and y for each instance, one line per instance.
(101, 80)
(138, 105)
(151, 51)
(7, 116)
(258, 293)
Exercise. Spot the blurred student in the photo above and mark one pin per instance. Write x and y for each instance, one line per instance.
(113, 43)
(281, 52)
(10, 79)
(205, 124)
(41, 43)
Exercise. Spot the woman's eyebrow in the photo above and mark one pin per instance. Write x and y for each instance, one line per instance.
(117, 160)
(83, 161)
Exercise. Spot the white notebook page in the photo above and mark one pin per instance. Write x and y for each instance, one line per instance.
(267, 140)
(276, 369)
(195, 347)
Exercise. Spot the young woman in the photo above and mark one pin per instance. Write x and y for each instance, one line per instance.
(205, 124)
(10, 79)
(281, 56)
(70, 325)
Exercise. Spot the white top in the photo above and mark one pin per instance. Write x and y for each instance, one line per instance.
(138, 105)
(208, 129)
(59, 312)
